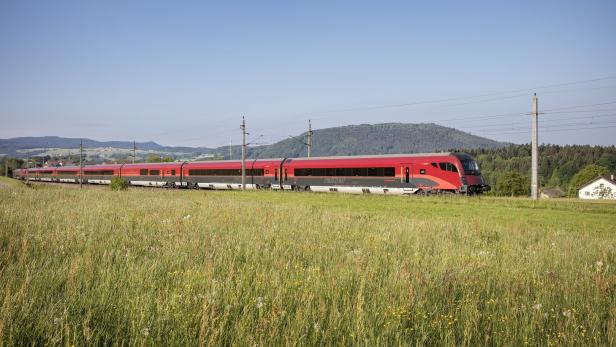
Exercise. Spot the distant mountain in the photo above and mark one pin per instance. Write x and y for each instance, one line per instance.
(387, 138)
(20, 146)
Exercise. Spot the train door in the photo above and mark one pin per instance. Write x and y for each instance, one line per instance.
(407, 173)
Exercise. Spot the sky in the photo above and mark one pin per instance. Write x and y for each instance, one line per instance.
(184, 73)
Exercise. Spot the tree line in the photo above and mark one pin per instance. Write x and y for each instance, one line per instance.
(508, 169)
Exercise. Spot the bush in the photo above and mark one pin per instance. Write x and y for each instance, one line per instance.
(512, 184)
(118, 183)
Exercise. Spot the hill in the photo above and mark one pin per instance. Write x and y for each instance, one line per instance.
(386, 138)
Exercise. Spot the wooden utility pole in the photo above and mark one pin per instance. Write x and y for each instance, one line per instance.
(309, 144)
(81, 164)
(243, 127)
(534, 185)
(134, 151)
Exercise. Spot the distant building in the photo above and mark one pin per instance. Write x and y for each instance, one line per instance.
(602, 187)
(552, 193)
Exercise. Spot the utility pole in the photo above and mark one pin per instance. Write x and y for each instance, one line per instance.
(243, 127)
(134, 151)
(81, 164)
(230, 148)
(6, 168)
(534, 185)
(309, 138)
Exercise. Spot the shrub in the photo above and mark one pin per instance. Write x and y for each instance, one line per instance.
(118, 183)
(512, 184)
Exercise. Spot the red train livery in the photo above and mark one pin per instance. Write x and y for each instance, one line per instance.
(399, 174)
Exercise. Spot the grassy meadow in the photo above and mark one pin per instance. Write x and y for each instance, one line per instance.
(174, 267)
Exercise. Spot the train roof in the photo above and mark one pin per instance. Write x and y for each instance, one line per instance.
(376, 156)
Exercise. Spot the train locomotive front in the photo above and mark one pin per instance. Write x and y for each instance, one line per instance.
(472, 180)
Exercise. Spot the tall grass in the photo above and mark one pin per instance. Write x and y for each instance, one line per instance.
(160, 267)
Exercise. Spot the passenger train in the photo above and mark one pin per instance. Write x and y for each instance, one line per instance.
(398, 174)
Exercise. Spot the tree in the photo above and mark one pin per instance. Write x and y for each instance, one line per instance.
(608, 160)
(603, 192)
(153, 158)
(584, 176)
(512, 184)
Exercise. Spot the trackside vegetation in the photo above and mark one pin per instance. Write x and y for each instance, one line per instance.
(176, 267)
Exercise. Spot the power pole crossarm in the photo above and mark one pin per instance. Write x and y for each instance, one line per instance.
(243, 128)
(534, 186)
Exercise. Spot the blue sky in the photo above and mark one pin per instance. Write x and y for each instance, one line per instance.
(183, 73)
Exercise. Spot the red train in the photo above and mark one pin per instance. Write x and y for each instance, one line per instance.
(378, 174)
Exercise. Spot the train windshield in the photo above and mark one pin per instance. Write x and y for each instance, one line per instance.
(470, 167)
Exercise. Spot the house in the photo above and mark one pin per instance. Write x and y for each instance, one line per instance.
(602, 187)
(552, 193)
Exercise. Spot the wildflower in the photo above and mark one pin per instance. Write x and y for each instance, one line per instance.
(553, 244)
(186, 217)
(145, 331)
(260, 302)
(567, 313)
(598, 266)
(537, 307)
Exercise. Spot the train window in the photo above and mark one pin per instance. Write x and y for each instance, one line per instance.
(99, 173)
(143, 172)
(434, 164)
(224, 172)
(357, 171)
(172, 172)
(422, 171)
(154, 172)
(285, 174)
(67, 173)
(276, 175)
(448, 167)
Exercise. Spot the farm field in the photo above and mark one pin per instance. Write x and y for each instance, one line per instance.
(176, 267)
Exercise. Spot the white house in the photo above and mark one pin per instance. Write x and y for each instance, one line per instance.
(602, 187)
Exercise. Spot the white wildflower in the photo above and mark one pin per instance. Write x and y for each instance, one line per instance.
(145, 331)
(354, 252)
(553, 244)
(186, 217)
(598, 266)
(260, 302)
(567, 313)
(537, 307)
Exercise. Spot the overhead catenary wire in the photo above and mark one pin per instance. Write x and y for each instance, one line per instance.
(556, 130)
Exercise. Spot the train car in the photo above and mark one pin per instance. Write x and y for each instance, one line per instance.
(386, 174)
(67, 174)
(153, 174)
(228, 174)
(100, 174)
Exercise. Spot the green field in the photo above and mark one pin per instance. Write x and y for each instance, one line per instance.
(167, 267)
